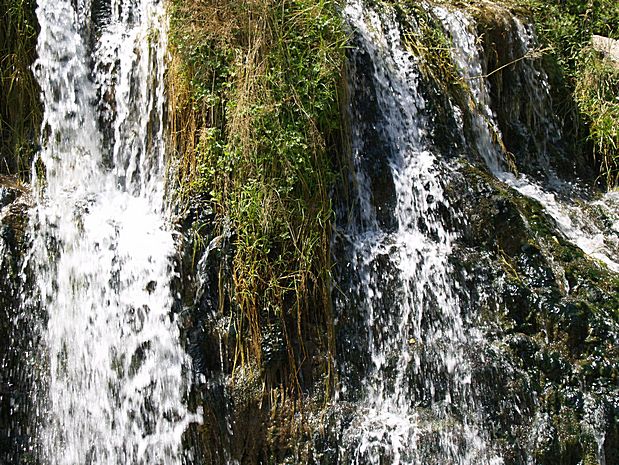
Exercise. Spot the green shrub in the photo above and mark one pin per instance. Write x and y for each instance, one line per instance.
(597, 94)
(578, 71)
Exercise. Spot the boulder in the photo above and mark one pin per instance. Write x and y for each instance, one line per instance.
(607, 46)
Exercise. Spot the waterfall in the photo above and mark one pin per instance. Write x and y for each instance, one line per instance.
(559, 198)
(411, 339)
(418, 404)
(468, 327)
(114, 372)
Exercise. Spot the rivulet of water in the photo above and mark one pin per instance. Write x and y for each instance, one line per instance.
(577, 219)
(114, 372)
(417, 405)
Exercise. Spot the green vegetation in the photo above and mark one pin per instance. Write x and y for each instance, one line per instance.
(255, 125)
(424, 37)
(597, 94)
(20, 108)
(585, 84)
(566, 26)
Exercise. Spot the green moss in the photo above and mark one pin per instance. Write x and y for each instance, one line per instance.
(559, 321)
(572, 443)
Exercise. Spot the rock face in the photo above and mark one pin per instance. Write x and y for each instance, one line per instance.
(551, 326)
(15, 387)
(607, 46)
(545, 374)
(14, 202)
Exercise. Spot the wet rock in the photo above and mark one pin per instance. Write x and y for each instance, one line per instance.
(523, 347)
(548, 311)
(371, 142)
(555, 340)
(15, 202)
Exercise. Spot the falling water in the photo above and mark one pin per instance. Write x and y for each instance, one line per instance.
(556, 196)
(419, 404)
(114, 370)
(577, 220)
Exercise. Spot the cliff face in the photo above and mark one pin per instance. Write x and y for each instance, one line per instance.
(549, 375)
(16, 389)
(20, 119)
(534, 306)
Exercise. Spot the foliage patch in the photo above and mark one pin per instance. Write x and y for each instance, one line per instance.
(255, 111)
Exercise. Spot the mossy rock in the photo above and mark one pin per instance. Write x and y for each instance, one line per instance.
(557, 323)
(15, 388)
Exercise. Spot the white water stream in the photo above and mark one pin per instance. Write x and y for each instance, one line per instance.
(418, 402)
(115, 372)
(575, 219)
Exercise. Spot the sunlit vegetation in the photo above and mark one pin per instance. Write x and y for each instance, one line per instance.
(255, 113)
(566, 27)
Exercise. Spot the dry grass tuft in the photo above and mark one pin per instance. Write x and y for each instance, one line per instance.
(20, 108)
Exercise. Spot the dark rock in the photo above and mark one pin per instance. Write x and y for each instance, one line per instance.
(15, 386)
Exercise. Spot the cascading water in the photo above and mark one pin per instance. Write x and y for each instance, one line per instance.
(557, 196)
(114, 372)
(433, 369)
(591, 226)
(419, 405)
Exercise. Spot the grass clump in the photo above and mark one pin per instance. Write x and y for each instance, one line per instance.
(20, 107)
(424, 37)
(586, 86)
(597, 94)
(583, 84)
(255, 116)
